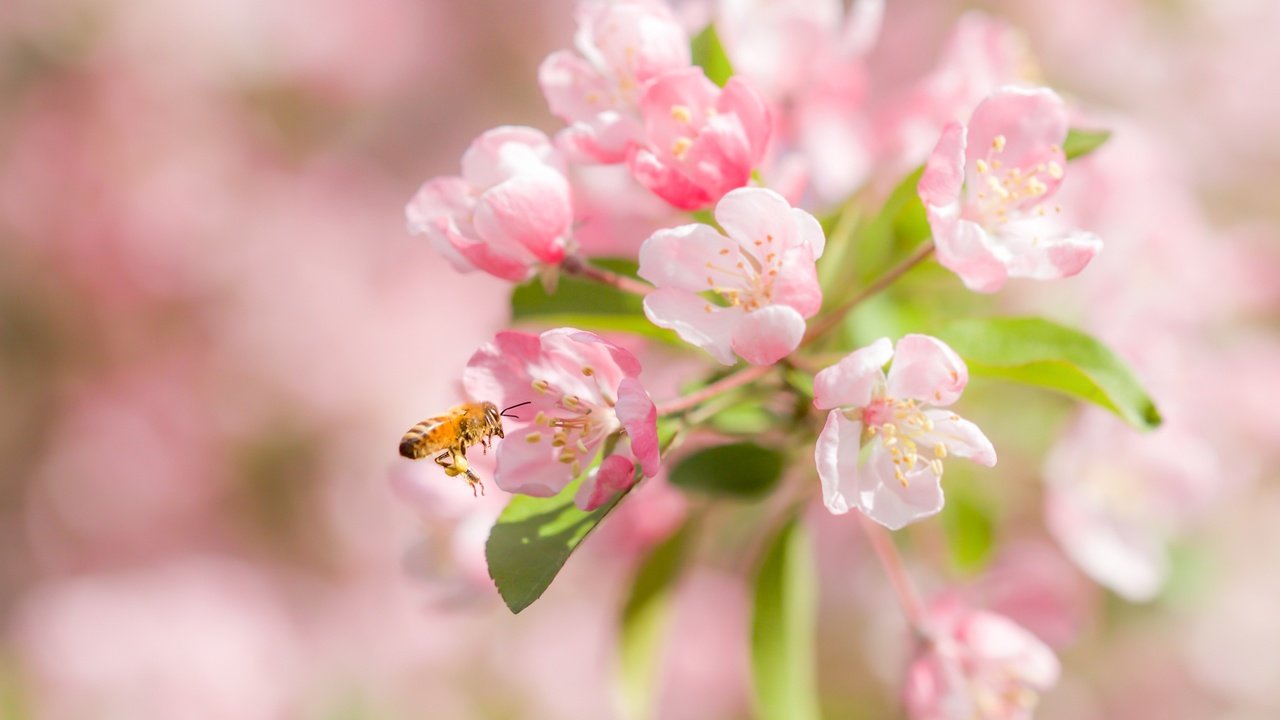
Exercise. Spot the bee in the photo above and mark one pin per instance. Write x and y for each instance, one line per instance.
(453, 432)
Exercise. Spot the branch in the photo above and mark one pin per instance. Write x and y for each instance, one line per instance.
(835, 316)
(577, 267)
(724, 384)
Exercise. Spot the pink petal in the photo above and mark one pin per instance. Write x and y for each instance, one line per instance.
(749, 214)
(695, 320)
(926, 369)
(967, 250)
(498, 371)
(527, 216)
(836, 455)
(943, 177)
(639, 417)
(606, 139)
(666, 181)
(853, 381)
(615, 474)
(999, 640)
(741, 101)
(679, 257)
(883, 498)
(1045, 250)
(503, 151)
(796, 284)
(962, 438)
(1030, 119)
(583, 364)
(440, 203)
(719, 160)
(642, 38)
(1124, 556)
(567, 82)
(767, 335)
(530, 468)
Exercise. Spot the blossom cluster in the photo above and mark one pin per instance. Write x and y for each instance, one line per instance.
(770, 161)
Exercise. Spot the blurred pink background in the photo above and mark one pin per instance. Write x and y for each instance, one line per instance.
(214, 329)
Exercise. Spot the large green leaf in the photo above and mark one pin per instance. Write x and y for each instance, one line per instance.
(1082, 142)
(741, 469)
(532, 540)
(1043, 353)
(968, 520)
(783, 629)
(644, 621)
(709, 55)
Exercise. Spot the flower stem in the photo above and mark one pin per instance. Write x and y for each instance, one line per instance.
(579, 267)
(889, 558)
(825, 323)
(724, 384)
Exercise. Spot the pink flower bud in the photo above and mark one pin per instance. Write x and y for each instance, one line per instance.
(510, 212)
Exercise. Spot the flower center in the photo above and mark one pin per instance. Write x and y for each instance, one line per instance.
(748, 283)
(1003, 192)
(574, 429)
(903, 427)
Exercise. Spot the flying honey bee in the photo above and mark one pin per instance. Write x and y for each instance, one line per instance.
(453, 432)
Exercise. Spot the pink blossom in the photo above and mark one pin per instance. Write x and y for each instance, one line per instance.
(901, 418)
(763, 271)
(977, 665)
(987, 189)
(700, 141)
(1116, 498)
(509, 214)
(621, 47)
(582, 391)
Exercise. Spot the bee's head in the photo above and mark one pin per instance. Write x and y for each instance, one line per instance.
(513, 417)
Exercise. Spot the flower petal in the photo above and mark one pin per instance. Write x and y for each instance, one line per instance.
(760, 220)
(530, 468)
(1043, 249)
(998, 640)
(943, 177)
(962, 438)
(639, 417)
(767, 335)
(883, 498)
(505, 151)
(836, 455)
(854, 380)
(926, 369)
(966, 249)
(498, 371)
(527, 217)
(1031, 120)
(682, 257)
(697, 322)
(615, 474)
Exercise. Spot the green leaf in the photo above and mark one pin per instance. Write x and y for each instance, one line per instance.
(532, 540)
(783, 629)
(748, 418)
(709, 55)
(644, 621)
(743, 470)
(969, 525)
(1040, 352)
(1082, 142)
(586, 305)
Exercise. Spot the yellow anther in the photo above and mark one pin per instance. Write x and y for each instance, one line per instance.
(1036, 187)
(680, 147)
(541, 385)
(982, 165)
(541, 419)
(567, 456)
(997, 187)
(576, 467)
(681, 114)
(533, 437)
(940, 451)
(588, 370)
(1055, 171)
(998, 143)
(571, 401)
(559, 439)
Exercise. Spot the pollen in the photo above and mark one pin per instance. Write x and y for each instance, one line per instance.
(998, 143)
(1055, 171)
(681, 114)
(982, 166)
(588, 370)
(533, 437)
(680, 147)
(541, 385)
(940, 451)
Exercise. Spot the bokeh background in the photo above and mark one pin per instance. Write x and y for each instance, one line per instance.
(214, 329)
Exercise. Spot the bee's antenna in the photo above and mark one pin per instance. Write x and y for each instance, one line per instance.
(513, 407)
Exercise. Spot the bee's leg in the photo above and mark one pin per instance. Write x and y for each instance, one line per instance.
(474, 481)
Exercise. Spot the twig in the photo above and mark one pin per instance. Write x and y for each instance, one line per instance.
(828, 321)
(724, 384)
(891, 561)
(578, 267)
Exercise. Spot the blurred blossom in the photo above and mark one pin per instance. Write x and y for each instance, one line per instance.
(1033, 584)
(977, 664)
(192, 638)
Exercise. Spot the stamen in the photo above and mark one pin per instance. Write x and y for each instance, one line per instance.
(588, 370)
(541, 386)
(681, 114)
(998, 143)
(940, 451)
(982, 166)
(533, 437)
(680, 147)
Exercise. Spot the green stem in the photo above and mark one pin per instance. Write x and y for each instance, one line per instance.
(578, 267)
(831, 319)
